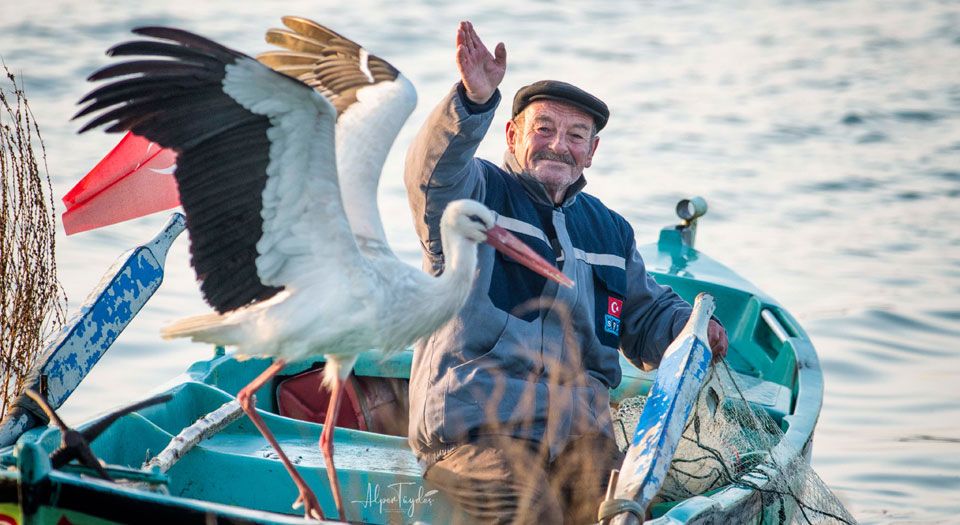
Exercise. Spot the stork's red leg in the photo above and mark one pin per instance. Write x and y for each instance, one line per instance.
(326, 442)
(311, 507)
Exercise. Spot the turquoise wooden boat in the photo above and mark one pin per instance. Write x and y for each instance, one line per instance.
(227, 473)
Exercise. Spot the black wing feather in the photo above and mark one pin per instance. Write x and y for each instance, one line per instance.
(192, 41)
(223, 150)
(159, 68)
(131, 88)
(162, 49)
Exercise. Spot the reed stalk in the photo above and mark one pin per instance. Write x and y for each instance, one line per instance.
(32, 301)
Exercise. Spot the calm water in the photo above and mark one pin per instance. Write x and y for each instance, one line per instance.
(826, 137)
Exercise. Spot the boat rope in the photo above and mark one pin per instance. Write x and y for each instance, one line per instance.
(614, 506)
(27, 404)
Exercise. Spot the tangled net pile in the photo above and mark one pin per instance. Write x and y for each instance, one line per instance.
(32, 302)
(727, 442)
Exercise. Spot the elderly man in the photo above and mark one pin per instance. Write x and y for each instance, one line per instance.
(509, 403)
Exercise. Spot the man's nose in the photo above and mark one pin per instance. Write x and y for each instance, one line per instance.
(559, 143)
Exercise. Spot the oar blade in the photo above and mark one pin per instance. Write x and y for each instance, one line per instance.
(669, 403)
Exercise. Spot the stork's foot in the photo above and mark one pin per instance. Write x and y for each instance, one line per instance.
(311, 507)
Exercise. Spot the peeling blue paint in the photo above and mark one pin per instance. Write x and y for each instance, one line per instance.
(672, 396)
(116, 300)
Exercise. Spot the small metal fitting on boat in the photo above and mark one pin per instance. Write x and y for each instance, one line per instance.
(689, 210)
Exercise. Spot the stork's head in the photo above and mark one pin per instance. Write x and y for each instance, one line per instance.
(475, 222)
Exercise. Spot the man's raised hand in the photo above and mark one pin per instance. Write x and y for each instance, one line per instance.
(480, 71)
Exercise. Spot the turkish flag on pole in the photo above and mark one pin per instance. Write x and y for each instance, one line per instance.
(133, 180)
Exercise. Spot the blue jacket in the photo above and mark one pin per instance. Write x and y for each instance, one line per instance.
(526, 357)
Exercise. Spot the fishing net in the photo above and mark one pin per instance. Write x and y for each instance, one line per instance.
(728, 442)
(32, 302)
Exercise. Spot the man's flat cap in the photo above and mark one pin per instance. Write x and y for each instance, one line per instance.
(562, 92)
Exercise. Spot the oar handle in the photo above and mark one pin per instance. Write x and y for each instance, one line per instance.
(703, 307)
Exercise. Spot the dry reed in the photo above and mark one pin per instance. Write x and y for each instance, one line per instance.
(32, 302)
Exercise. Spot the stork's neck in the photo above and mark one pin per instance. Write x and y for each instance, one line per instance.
(459, 253)
(434, 300)
(460, 265)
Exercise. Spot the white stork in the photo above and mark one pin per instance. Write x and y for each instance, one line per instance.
(294, 263)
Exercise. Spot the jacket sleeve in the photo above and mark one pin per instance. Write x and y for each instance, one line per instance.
(440, 165)
(653, 315)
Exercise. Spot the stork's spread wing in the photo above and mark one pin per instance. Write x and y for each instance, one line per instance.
(256, 163)
(373, 100)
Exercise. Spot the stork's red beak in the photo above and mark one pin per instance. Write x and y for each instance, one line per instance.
(509, 245)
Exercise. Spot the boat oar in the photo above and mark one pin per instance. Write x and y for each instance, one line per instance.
(123, 291)
(671, 398)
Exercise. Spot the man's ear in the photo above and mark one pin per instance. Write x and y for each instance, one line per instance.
(593, 149)
(511, 133)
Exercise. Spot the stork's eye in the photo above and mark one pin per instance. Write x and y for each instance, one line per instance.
(477, 219)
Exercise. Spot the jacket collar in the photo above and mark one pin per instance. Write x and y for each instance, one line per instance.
(535, 188)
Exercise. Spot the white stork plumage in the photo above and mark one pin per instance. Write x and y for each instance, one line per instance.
(294, 262)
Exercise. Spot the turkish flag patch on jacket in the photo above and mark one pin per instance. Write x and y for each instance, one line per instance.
(614, 306)
(611, 321)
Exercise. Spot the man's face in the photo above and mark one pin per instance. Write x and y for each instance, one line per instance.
(553, 142)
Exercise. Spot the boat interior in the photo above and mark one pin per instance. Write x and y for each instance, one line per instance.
(381, 478)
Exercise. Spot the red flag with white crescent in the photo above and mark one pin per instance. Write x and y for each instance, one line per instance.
(133, 180)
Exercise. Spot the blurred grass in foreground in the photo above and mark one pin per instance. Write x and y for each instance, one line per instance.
(32, 302)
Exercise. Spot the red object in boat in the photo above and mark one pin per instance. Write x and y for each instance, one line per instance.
(374, 404)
